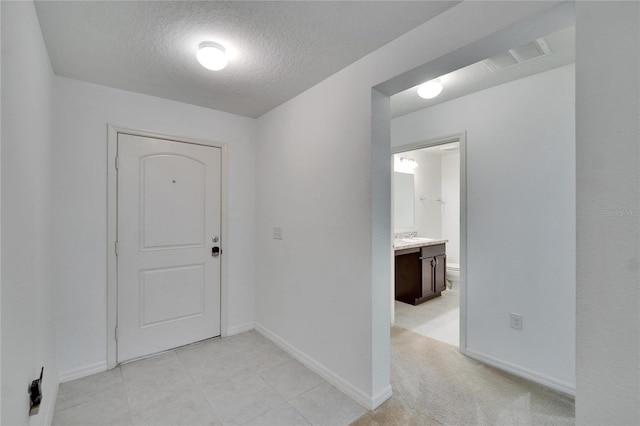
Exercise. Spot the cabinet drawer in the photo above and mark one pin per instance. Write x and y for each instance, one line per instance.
(431, 251)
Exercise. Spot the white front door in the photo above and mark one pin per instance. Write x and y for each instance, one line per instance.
(168, 218)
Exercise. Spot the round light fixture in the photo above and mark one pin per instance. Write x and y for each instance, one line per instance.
(408, 162)
(430, 89)
(212, 56)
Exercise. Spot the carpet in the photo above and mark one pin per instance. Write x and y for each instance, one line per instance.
(433, 384)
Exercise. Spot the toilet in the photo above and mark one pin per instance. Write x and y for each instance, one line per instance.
(453, 276)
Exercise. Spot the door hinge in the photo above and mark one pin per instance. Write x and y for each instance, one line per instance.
(117, 247)
(117, 163)
(116, 333)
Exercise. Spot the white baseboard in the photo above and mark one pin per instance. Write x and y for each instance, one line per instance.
(517, 370)
(381, 397)
(237, 329)
(78, 373)
(360, 397)
(51, 405)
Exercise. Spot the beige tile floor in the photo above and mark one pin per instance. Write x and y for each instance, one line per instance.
(437, 318)
(239, 380)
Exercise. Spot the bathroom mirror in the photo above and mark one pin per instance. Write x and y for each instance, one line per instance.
(403, 199)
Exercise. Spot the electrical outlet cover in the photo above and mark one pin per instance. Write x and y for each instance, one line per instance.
(515, 321)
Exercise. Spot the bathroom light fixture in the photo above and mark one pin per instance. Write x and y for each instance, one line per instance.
(212, 56)
(430, 89)
(408, 162)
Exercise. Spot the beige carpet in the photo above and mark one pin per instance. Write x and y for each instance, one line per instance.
(434, 384)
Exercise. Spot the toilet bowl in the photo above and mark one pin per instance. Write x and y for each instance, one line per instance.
(453, 276)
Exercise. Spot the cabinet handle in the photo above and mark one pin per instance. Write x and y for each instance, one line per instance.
(434, 261)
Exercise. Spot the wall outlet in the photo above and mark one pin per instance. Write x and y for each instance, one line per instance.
(515, 321)
(277, 233)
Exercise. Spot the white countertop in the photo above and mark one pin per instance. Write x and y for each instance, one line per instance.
(407, 243)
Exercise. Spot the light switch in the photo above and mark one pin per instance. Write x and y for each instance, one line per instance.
(277, 233)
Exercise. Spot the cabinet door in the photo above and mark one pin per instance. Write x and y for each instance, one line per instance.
(428, 276)
(440, 273)
(408, 272)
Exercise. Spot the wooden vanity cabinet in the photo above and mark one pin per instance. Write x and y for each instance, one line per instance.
(420, 273)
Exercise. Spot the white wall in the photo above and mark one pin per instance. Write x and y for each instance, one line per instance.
(608, 291)
(322, 288)
(520, 217)
(450, 165)
(428, 211)
(28, 329)
(82, 112)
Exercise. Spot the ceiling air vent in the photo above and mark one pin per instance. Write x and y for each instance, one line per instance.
(529, 51)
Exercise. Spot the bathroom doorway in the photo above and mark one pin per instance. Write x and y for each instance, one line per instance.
(428, 197)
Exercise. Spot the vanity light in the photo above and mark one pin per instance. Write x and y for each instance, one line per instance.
(430, 89)
(408, 162)
(212, 56)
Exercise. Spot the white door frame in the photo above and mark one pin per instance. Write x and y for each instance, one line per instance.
(462, 139)
(112, 223)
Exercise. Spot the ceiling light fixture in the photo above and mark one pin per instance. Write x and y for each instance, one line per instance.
(408, 162)
(430, 89)
(212, 56)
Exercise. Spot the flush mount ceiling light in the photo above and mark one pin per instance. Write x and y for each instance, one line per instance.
(408, 162)
(212, 56)
(430, 89)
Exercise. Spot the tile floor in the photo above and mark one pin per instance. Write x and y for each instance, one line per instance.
(438, 318)
(239, 380)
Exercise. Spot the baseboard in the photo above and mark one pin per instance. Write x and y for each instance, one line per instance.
(237, 329)
(381, 397)
(78, 373)
(360, 397)
(517, 370)
(51, 405)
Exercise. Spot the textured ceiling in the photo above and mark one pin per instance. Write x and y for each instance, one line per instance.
(277, 49)
(478, 76)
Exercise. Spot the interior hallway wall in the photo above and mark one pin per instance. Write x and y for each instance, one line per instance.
(450, 166)
(520, 218)
(323, 176)
(81, 115)
(608, 211)
(28, 314)
(428, 212)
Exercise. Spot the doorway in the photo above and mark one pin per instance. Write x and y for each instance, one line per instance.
(429, 198)
(166, 223)
(521, 177)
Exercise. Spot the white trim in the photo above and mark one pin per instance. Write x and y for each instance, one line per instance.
(51, 408)
(462, 301)
(112, 265)
(78, 373)
(461, 138)
(517, 370)
(237, 329)
(112, 215)
(359, 396)
(381, 397)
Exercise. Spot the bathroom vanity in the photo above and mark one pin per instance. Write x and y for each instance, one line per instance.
(420, 269)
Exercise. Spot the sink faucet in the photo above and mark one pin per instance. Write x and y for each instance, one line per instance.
(413, 234)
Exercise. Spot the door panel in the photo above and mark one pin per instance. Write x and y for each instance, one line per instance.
(440, 271)
(171, 294)
(176, 185)
(168, 213)
(428, 289)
